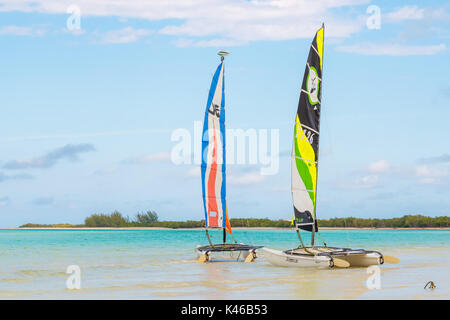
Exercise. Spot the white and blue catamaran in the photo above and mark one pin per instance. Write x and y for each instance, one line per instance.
(213, 172)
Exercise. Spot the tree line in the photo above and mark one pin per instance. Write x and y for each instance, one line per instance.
(151, 219)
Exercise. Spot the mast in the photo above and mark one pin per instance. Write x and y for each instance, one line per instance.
(222, 54)
(318, 144)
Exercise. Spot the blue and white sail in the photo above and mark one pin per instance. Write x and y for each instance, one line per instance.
(213, 166)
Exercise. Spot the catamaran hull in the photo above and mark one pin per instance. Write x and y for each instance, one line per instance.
(227, 253)
(355, 259)
(363, 260)
(225, 256)
(281, 259)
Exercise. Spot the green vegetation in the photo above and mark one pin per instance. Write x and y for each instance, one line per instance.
(260, 223)
(117, 220)
(147, 218)
(58, 225)
(150, 219)
(408, 221)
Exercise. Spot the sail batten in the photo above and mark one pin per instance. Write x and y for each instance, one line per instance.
(213, 167)
(305, 149)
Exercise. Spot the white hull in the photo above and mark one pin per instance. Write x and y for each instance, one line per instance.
(363, 260)
(281, 259)
(354, 257)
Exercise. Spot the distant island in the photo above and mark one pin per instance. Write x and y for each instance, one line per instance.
(150, 219)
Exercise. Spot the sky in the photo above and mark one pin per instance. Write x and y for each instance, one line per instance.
(93, 91)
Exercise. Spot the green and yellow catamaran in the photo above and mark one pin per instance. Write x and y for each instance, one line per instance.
(304, 170)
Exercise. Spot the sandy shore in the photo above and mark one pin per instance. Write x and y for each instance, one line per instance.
(235, 228)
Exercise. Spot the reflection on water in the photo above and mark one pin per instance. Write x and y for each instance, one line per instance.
(161, 264)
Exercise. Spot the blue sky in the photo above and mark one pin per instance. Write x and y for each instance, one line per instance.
(87, 114)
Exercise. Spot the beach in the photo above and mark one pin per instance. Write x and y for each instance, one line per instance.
(234, 228)
(161, 264)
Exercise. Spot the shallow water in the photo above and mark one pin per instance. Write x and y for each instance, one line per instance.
(160, 264)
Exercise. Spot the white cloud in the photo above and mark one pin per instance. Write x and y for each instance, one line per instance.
(368, 181)
(183, 43)
(381, 166)
(232, 21)
(156, 157)
(416, 13)
(437, 14)
(238, 22)
(443, 158)
(4, 201)
(406, 13)
(4, 177)
(149, 158)
(75, 32)
(431, 171)
(281, 189)
(194, 173)
(83, 135)
(125, 35)
(391, 49)
(431, 175)
(43, 201)
(21, 31)
(247, 178)
(69, 152)
(106, 171)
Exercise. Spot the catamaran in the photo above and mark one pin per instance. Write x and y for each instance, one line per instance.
(213, 171)
(304, 165)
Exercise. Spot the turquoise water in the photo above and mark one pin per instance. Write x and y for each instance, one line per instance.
(160, 264)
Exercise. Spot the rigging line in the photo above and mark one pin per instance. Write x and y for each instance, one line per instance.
(302, 125)
(329, 137)
(248, 235)
(232, 238)
(305, 224)
(298, 189)
(239, 255)
(209, 239)
(304, 247)
(346, 232)
(306, 92)
(337, 170)
(318, 233)
(300, 237)
(315, 50)
(296, 157)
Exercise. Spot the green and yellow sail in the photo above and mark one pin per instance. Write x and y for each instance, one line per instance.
(305, 150)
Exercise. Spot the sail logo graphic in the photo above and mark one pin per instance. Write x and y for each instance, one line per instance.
(215, 110)
(306, 134)
(312, 86)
